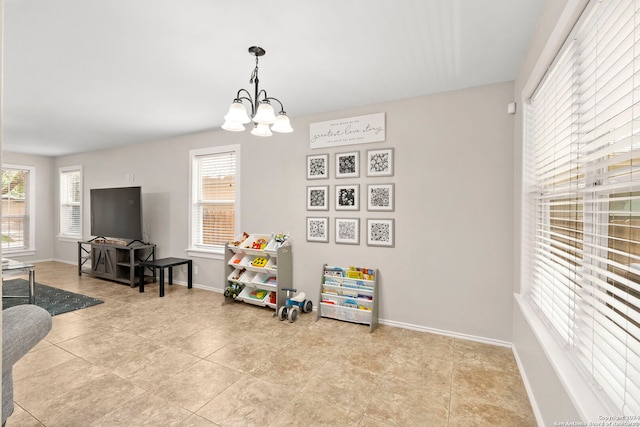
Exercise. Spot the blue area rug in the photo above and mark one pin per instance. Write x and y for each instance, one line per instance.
(54, 300)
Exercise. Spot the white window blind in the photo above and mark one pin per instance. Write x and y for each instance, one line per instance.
(17, 208)
(582, 242)
(214, 195)
(71, 202)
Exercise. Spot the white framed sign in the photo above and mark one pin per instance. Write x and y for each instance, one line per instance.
(349, 131)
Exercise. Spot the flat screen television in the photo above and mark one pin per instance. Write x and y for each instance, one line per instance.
(117, 213)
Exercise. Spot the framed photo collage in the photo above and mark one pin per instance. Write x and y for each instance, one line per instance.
(345, 197)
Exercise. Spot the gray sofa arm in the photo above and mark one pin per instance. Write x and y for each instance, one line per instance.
(23, 326)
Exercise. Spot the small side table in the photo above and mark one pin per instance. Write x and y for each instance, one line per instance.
(163, 263)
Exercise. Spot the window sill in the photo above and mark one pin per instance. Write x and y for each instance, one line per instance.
(69, 239)
(589, 401)
(18, 253)
(209, 254)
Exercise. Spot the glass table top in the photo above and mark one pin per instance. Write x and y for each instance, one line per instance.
(10, 264)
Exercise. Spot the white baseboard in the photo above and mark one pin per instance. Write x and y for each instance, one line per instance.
(63, 261)
(198, 286)
(445, 333)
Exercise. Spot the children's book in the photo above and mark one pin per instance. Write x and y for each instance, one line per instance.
(355, 274)
(333, 271)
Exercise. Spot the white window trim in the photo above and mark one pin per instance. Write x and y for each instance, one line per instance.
(31, 249)
(216, 252)
(70, 237)
(590, 402)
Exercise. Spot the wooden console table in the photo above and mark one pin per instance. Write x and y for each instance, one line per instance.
(114, 262)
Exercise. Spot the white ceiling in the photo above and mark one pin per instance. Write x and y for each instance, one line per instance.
(81, 75)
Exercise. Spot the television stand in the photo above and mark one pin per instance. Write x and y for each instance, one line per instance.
(115, 262)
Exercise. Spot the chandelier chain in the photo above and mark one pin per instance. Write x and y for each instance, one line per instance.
(254, 74)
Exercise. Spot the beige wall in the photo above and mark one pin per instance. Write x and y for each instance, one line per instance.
(454, 196)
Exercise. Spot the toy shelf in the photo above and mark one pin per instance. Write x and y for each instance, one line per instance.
(247, 277)
(252, 244)
(272, 247)
(345, 301)
(235, 276)
(257, 268)
(272, 266)
(347, 314)
(265, 281)
(236, 259)
(349, 294)
(256, 296)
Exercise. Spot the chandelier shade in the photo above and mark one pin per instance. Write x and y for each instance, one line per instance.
(261, 129)
(238, 113)
(265, 113)
(262, 112)
(282, 124)
(233, 126)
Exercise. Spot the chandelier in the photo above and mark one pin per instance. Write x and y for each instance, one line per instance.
(262, 112)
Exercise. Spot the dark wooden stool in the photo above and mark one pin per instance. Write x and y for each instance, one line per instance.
(163, 263)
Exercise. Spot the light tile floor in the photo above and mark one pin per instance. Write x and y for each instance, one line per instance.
(189, 360)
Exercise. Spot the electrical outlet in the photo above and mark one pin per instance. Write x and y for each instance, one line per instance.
(195, 269)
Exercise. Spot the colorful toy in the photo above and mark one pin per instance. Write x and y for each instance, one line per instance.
(280, 238)
(259, 244)
(233, 290)
(236, 274)
(259, 262)
(294, 305)
(258, 294)
(244, 237)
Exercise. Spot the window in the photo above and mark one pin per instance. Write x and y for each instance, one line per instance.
(18, 208)
(214, 195)
(582, 186)
(71, 202)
